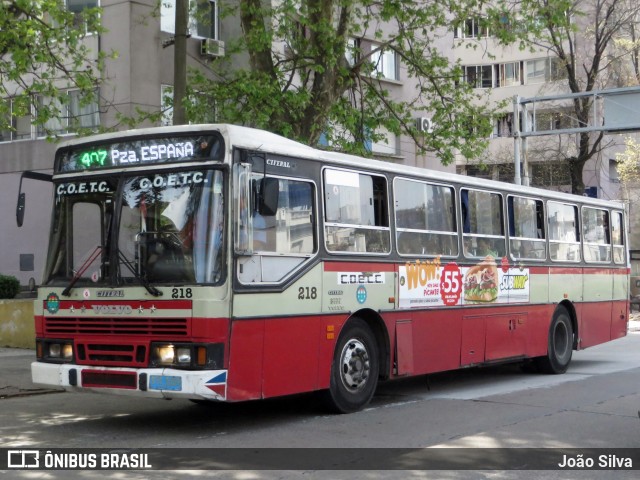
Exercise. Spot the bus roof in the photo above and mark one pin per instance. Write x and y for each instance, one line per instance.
(268, 142)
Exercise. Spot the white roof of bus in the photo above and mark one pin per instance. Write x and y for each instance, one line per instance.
(261, 140)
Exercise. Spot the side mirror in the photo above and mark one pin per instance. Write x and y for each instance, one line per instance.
(268, 198)
(43, 177)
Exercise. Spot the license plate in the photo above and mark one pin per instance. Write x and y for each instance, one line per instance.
(165, 382)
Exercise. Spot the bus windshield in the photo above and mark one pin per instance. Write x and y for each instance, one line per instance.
(165, 228)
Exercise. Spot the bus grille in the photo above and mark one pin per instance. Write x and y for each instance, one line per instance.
(112, 355)
(175, 327)
(102, 379)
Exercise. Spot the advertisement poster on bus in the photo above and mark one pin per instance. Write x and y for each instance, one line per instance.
(428, 283)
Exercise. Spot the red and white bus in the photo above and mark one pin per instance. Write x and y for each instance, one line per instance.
(217, 262)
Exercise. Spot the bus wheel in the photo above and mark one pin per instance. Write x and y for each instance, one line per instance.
(355, 368)
(560, 345)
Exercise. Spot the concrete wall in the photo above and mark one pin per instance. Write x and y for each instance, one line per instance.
(17, 327)
(31, 239)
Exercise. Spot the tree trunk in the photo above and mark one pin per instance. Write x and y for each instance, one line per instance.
(575, 169)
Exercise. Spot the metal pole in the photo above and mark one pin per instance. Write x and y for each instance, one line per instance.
(180, 62)
(525, 164)
(516, 139)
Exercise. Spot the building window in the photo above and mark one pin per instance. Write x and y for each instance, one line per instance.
(385, 63)
(479, 76)
(544, 70)
(55, 113)
(555, 120)
(352, 51)
(550, 174)
(83, 113)
(68, 114)
(506, 172)
(387, 145)
(557, 70)
(509, 74)
(77, 7)
(472, 28)
(614, 177)
(503, 126)
(18, 116)
(204, 22)
(478, 171)
(537, 70)
(203, 18)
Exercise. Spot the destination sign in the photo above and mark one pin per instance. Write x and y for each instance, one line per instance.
(145, 151)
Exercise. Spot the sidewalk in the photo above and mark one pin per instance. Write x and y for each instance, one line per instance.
(15, 379)
(15, 376)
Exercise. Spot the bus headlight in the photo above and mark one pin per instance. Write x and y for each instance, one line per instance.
(54, 350)
(168, 355)
(183, 356)
(67, 351)
(186, 355)
(164, 354)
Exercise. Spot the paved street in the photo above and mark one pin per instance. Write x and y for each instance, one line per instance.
(594, 405)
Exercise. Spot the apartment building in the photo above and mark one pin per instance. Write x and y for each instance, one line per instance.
(507, 71)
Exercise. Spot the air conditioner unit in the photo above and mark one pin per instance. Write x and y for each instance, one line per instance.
(424, 124)
(212, 48)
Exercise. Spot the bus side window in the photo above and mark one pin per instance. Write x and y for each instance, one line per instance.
(595, 235)
(425, 218)
(617, 237)
(483, 223)
(284, 233)
(526, 232)
(564, 238)
(356, 212)
(264, 195)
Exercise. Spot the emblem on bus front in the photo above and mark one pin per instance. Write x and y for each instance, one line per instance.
(52, 303)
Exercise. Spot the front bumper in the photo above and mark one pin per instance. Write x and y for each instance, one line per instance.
(142, 382)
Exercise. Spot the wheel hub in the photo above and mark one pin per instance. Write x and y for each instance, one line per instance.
(355, 365)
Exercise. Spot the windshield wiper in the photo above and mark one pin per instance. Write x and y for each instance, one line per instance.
(83, 268)
(150, 288)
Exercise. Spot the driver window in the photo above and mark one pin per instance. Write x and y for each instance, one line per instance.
(283, 238)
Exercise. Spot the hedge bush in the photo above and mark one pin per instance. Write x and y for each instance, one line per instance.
(9, 286)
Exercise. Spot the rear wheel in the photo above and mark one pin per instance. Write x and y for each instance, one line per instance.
(355, 368)
(560, 347)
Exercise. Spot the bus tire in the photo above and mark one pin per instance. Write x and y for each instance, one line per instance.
(354, 370)
(560, 345)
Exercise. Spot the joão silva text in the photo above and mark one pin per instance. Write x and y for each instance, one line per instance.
(604, 461)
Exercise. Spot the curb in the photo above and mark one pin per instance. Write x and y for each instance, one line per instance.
(12, 392)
